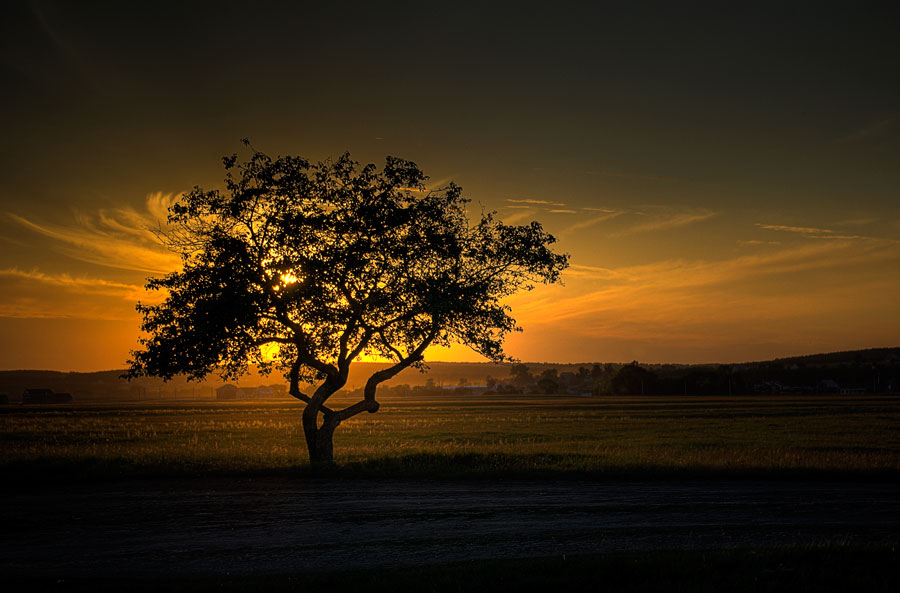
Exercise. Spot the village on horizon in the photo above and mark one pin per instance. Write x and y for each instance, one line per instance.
(875, 370)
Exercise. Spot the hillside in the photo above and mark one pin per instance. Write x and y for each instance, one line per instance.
(871, 369)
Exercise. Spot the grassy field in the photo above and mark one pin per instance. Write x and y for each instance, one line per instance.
(471, 436)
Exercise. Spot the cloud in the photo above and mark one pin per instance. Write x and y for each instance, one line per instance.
(589, 222)
(834, 282)
(563, 211)
(754, 242)
(82, 284)
(804, 230)
(437, 184)
(876, 129)
(35, 294)
(857, 221)
(534, 202)
(593, 272)
(812, 232)
(833, 237)
(117, 237)
(664, 220)
(626, 175)
(520, 215)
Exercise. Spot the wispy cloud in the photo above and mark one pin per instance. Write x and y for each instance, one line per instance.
(82, 284)
(520, 215)
(664, 220)
(593, 220)
(857, 221)
(592, 272)
(811, 232)
(774, 290)
(875, 129)
(804, 230)
(117, 237)
(534, 202)
(755, 242)
(625, 175)
(563, 211)
(69, 281)
(35, 294)
(435, 184)
(836, 237)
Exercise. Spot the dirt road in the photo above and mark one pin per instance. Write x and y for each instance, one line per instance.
(194, 527)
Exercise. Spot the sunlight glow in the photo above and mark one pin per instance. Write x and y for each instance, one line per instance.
(269, 352)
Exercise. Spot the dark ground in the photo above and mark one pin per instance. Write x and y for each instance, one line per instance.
(256, 527)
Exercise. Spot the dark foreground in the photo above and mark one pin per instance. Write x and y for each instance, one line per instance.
(253, 531)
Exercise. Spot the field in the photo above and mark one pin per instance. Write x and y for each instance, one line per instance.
(459, 437)
(640, 493)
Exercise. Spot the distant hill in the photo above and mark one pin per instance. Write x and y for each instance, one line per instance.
(852, 366)
(872, 355)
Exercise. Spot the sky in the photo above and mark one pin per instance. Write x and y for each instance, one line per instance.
(725, 176)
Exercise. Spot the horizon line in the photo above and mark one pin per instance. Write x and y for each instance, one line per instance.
(487, 362)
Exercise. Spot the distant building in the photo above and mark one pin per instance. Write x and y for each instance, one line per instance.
(853, 391)
(829, 386)
(45, 396)
(248, 393)
(227, 392)
(771, 388)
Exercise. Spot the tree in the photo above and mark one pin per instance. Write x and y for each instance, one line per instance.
(602, 378)
(305, 267)
(633, 379)
(521, 375)
(490, 383)
(548, 382)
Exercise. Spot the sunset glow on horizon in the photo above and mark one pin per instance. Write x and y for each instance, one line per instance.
(728, 187)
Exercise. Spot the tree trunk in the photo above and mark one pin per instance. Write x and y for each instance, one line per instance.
(324, 452)
(319, 439)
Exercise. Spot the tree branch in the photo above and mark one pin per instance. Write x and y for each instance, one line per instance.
(313, 362)
(385, 374)
(295, 388)
(390, 346)
(363, 342)
(363, 405)
(368, 403)
(345, 338)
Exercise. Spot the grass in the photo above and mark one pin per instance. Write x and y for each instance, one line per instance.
(832, 567)
(464, 436)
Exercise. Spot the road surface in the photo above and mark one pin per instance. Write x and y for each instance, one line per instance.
(275, 526)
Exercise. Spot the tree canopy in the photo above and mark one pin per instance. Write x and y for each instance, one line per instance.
(305, 267)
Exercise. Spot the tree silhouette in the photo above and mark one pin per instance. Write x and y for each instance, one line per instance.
(521, 375)
(633, 379)
(548, 382)
(306, 267)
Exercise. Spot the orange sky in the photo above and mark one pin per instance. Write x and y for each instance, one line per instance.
(727, 187)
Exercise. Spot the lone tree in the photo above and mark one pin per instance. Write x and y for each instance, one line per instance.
(305, 267)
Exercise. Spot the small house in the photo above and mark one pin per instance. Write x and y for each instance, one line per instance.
(227, 392)
(45, 396)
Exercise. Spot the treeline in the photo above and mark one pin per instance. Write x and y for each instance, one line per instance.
(875, 370)
(750, 379)
(808, 375)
